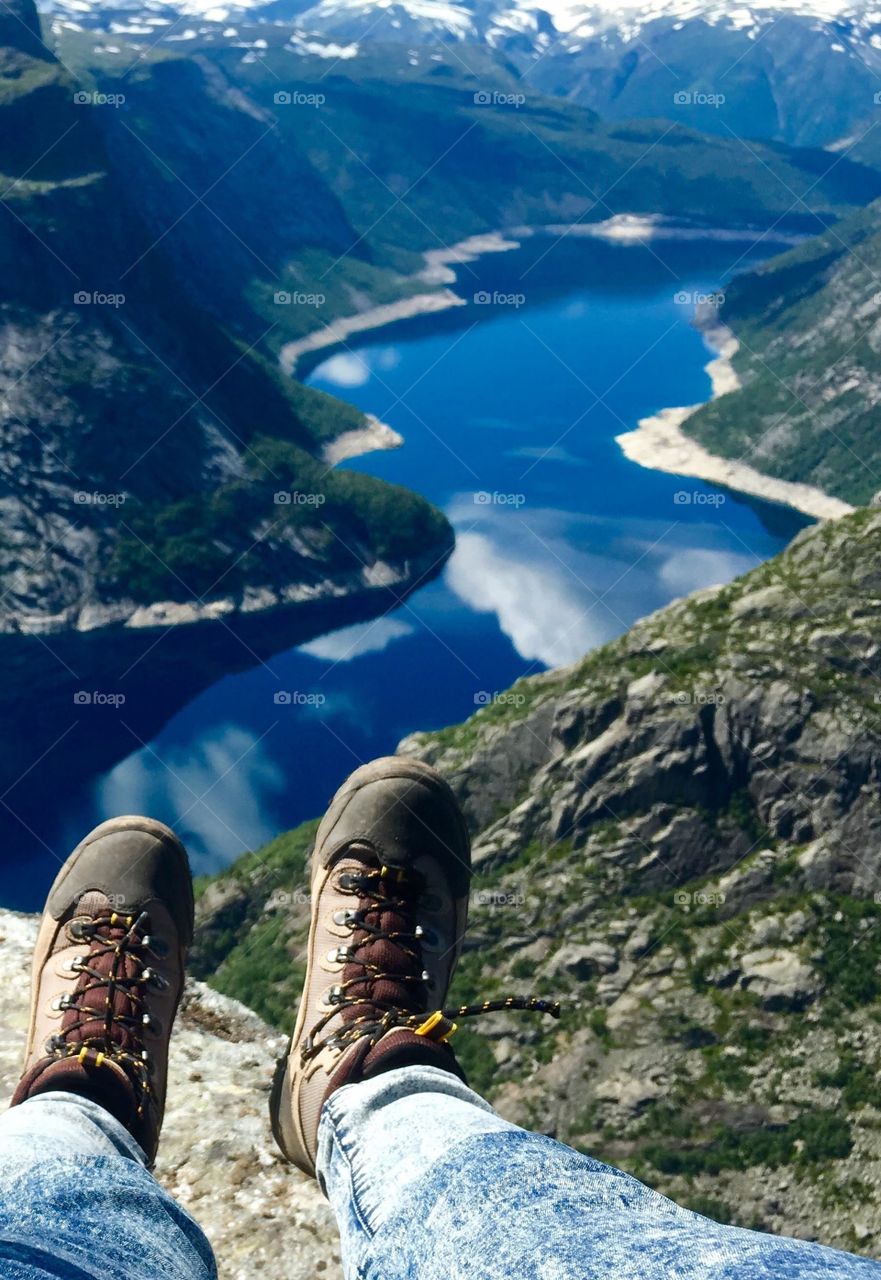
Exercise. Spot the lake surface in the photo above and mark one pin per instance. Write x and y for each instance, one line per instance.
(509, 409)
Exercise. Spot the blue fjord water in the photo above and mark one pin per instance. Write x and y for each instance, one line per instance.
(509, 409)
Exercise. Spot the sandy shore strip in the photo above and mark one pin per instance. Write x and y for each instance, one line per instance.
(438, 270)
(660, 444)
(372, 436)
(634, 228)
(419, 304)
(439, 263)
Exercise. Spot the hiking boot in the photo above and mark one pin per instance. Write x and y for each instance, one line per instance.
(108, 973)
(391, 870)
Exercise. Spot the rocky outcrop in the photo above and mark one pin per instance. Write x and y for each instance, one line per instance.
(217, 1157)
(679, 837)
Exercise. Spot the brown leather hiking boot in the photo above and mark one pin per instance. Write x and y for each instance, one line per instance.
(390, 875)
(391, 871)
(108, 973)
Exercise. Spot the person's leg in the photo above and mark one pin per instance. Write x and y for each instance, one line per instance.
(77, 1200)
(427, 1181)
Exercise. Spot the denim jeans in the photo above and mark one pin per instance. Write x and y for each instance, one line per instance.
(427, 1183)
(77, 1201)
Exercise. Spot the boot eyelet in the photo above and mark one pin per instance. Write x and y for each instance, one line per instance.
(339, 955)
(154, 978)
(152, 1024)
(344, 917)
(334, 995)
(157, 945)
(53, 1045)
(73, 964)
(60, 1003)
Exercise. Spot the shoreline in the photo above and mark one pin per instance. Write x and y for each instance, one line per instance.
(373, 436)
(659, 443)
(437, 270)
(636, 228)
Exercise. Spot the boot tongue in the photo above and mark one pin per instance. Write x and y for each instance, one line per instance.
(386, 955)
(110, 991)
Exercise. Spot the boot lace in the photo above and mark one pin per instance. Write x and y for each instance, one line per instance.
(367, 1011)
(105, 1017)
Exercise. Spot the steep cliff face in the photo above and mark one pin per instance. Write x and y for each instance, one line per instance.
(679, 837)
(160, 479)
(217, 1157)
(148, 456)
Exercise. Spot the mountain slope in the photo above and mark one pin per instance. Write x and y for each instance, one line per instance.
(332, 193)
(679, 837)
(798, 71)
(809, 325)
(143, 446)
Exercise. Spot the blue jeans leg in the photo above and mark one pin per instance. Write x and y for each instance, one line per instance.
(428, 1182)
(78, 1203)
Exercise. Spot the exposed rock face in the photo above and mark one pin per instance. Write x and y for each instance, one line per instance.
(678, 836)
(217, 1156)
(682, 840)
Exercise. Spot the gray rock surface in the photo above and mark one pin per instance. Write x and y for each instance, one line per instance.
(217, 1156)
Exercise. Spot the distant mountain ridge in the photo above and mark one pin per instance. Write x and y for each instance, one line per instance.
(800, 71)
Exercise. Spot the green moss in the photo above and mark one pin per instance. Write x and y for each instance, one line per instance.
(815, 1137)
(709, 1207)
